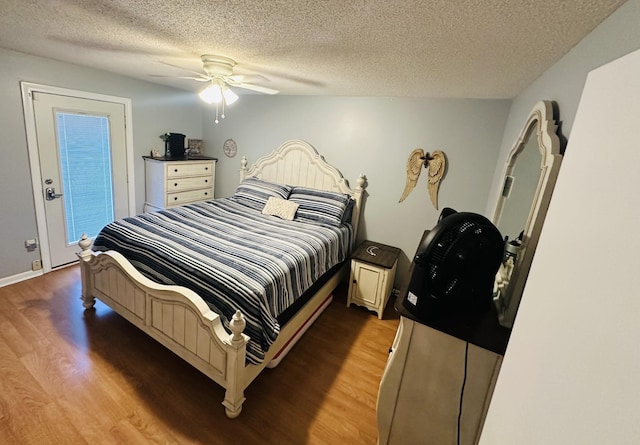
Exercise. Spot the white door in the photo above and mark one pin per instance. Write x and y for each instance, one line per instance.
(83, 168)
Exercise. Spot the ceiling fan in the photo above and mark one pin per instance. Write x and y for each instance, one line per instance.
(218, 71)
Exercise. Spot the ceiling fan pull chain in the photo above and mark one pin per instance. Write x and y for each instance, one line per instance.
(216, 121)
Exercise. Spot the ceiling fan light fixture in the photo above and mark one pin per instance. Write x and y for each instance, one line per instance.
(228, 95)
(219, 94)
(212, 94)
(218, 71)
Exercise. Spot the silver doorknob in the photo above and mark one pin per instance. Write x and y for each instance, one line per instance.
(51, 194)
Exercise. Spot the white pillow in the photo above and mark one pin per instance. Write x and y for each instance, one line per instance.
(281, 208)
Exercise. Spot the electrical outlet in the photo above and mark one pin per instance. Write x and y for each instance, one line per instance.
(36, 265)
(31, 245)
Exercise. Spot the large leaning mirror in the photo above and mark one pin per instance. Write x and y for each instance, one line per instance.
(529, 176)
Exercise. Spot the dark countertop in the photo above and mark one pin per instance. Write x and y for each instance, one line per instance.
(482, 329)
(185, 158)
(377, 254)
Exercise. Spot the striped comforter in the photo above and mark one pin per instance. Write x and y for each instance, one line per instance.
(233, 256)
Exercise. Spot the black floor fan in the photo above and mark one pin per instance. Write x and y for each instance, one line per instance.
(454, 267)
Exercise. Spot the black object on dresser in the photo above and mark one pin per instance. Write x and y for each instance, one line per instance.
(479, 328)
(176, 145)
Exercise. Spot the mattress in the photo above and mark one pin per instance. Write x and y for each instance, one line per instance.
(233, 256)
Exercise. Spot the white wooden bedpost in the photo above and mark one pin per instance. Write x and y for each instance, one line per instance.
(236, 356)
(85, 255)
(359, 196)
(243, 168)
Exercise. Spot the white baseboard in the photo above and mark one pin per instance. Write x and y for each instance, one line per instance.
(20, 277)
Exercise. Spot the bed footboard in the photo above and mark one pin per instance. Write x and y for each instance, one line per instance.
(173, 315)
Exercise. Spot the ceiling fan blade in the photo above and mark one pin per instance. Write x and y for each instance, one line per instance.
(101, 45)
(282, 75)
(197, 79)
(258, 88)
(242, 78)
(183, 69)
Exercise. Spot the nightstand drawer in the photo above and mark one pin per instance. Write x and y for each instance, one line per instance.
(182, 169)
(179, 184)
(175, 199)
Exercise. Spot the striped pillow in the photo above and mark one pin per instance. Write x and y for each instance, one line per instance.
(319, 205)
(254, 192)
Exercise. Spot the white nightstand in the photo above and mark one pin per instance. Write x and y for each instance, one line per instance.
(171, 182)
(373, 271)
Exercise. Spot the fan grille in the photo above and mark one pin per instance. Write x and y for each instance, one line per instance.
(460, 258)
(441, 248)
(455, 267)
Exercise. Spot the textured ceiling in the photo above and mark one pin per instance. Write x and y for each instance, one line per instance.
(426, 48)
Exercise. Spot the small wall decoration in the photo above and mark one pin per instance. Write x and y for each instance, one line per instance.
(436, 165)
(195, 146)
(230, 148)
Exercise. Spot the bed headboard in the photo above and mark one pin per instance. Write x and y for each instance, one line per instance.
(296, 162)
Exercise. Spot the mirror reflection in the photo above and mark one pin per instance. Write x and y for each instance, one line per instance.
(527, 184)
(519, 188)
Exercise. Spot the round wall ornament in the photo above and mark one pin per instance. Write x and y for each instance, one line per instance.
(230, 148)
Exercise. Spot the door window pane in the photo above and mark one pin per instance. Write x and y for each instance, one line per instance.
(85, 160)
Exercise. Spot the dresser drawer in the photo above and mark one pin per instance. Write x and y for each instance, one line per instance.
(179, 198)
(179, 184)
(182, 169)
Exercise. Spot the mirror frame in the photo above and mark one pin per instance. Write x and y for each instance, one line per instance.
(512, 276)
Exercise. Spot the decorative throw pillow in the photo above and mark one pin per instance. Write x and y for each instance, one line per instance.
(348, 213)
(319, 205)
(254, 192)
(281, 208)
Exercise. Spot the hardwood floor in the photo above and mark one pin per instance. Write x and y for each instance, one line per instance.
(74, 377)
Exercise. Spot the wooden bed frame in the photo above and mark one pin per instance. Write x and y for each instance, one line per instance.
(180, 319)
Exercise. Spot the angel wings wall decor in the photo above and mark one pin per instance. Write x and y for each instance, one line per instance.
(435, 163)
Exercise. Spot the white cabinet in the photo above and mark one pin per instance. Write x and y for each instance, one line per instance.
(373, 271)
(426, 375)
(171, 183)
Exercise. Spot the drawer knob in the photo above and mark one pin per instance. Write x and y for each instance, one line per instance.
(175, 198)
(206, 193)
(175, 170)
(175, 184)
(206, 180)
(206, 168)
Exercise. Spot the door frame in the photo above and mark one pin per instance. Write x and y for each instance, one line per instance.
(28, 89)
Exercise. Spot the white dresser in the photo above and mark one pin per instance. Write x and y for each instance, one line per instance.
(171, 182)
(420, 391)
(439, 370)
